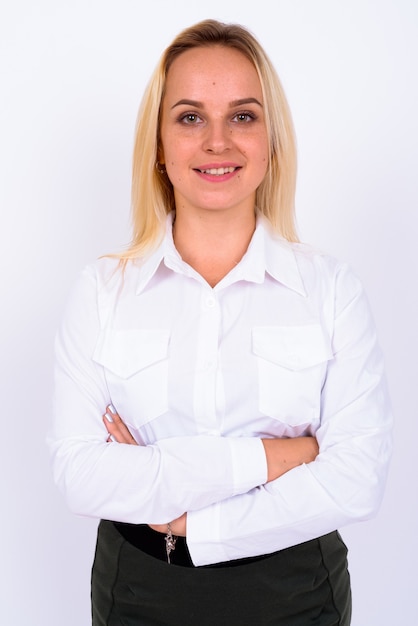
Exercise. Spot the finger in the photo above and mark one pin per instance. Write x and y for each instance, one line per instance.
(112, 417)
(116, 428)
(118, 431)
(111, 414)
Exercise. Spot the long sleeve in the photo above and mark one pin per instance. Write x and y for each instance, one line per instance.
(139, 484)
(283, 346)
(346, 481)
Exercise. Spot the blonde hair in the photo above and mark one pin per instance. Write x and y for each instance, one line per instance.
(152, 192)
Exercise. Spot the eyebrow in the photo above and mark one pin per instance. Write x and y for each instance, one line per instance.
(234, 103)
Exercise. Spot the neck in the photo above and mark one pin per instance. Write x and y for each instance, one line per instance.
(213, 243)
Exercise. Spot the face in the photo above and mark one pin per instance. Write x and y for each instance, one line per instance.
(213, 135)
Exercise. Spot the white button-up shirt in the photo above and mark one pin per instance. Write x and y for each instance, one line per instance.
(283, 346)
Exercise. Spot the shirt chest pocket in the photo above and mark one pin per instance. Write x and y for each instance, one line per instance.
(292, 364)
(135, 362)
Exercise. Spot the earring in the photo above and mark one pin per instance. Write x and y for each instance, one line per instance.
(160, 167)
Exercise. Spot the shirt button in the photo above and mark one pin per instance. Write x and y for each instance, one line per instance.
(210, 302)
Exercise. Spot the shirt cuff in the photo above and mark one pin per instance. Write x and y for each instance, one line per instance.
(203, 536)
(249, 462)
(204, 539)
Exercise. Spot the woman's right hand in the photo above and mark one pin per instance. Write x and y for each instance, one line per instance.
(284, 454)
(118, 431)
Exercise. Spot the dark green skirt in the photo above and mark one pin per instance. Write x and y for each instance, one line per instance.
(304, 585)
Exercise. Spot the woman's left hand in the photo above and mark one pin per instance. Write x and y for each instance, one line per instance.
(120, 433)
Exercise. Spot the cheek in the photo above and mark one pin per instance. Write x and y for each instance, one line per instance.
(258, 147)
(261, 166)
(174, 172)
(260, 152)
(264, 157)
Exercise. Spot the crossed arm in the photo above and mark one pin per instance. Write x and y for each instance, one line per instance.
(282, 455)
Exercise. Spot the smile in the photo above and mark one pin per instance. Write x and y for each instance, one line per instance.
(219, 171)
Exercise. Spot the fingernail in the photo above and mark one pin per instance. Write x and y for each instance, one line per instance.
(111, 408)
(108, 417)
(112, 438)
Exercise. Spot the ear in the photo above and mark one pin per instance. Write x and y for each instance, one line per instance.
(160, 155)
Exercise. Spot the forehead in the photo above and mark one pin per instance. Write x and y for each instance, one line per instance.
(215, 70)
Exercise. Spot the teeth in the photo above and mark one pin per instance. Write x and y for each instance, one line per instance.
(219, 171)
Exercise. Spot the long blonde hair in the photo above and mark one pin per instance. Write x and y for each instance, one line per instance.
(152, 192)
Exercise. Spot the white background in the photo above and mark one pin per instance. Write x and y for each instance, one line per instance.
(71, 76)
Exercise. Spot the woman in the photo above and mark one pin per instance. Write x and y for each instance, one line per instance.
(247, 417)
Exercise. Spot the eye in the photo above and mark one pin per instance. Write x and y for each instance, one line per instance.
(244, 117)
(189, 118)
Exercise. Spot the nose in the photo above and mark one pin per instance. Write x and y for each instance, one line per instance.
(217, 138)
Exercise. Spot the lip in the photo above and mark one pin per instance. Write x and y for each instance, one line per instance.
(215, 166)
(217, 172)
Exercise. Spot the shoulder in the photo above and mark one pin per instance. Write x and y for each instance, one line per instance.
(303, 266)
(109, 273)
(311, 258)
(280, 251)
(309, 255)
(333, 279)
(100, 283)
(326, 273)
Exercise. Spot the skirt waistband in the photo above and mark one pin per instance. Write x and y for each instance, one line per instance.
(153, 543)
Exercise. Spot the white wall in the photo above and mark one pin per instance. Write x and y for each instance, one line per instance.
(71, 76)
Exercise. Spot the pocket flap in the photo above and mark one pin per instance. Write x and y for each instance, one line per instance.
(292, 347)
(125, 352)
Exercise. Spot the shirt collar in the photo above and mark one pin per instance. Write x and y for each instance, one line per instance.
(279, 258)
(267, 252)
(166, 251)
